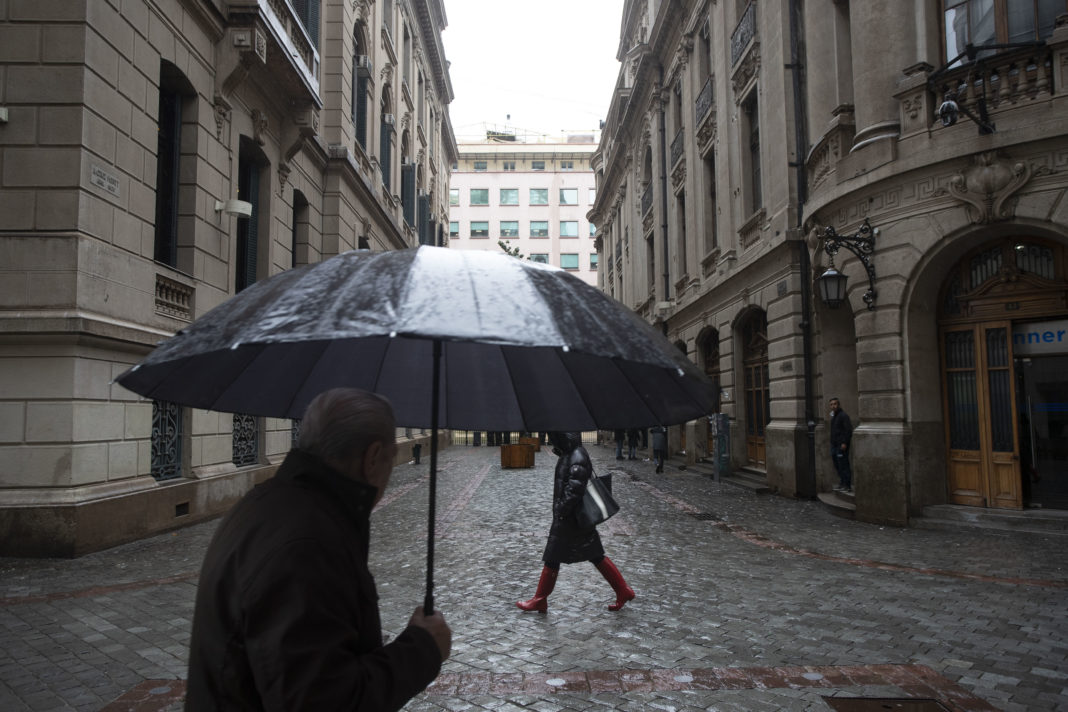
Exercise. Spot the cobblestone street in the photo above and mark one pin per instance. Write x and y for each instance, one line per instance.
(744, 602)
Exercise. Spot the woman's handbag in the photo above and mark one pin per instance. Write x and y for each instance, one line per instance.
(597, 504)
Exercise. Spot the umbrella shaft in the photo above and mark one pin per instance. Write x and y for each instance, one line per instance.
(428, 603)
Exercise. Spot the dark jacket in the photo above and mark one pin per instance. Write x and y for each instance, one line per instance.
(660, 438)
(287, 613)
(568, 542)
(841, 429)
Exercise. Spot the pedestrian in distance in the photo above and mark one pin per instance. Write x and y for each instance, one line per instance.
(659, 437)
(632, 444)
(569, 542)
(620, 435)
(841, 435)
(286, 614)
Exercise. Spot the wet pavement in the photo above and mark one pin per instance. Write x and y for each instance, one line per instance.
(744, 602)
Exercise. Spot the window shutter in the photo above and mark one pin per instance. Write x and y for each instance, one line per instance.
(408, 192)
(361, 111)
(424, 220)
(385, 157)
(247, 228)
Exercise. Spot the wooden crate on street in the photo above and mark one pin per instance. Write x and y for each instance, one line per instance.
(533, 442)
(514, 456)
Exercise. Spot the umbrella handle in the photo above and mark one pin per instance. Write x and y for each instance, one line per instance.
(428, 602)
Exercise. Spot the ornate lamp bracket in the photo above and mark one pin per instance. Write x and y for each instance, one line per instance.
(861, 244)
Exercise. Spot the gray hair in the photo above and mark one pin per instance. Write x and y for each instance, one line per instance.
(340, 424)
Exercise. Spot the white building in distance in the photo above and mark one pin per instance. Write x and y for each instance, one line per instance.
(531, 196)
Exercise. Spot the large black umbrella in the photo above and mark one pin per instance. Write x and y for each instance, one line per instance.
(457, 339)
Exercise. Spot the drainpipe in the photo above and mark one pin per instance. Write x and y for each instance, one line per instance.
(806, 480)
(664, 198)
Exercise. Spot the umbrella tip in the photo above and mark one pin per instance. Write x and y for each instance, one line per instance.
(393, 334)
(566, 348)
(235, 346)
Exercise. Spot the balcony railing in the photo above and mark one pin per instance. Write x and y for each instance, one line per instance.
(677, 145)
(743, 33)
(1007, 79)
(290, 55)
(647, 199)
(704, 101)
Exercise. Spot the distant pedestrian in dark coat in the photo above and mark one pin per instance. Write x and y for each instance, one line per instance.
(620, 436)
(569, 542)
(659, 446)
(841, 436)
(632, 444)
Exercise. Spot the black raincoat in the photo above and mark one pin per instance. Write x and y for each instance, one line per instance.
(568, 541)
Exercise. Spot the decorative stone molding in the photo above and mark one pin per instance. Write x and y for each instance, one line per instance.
(259, 126)
(678, 175)
(386, 74)
(988, 186)
(746, 72)
(222, 111)
(749, 233)
(361, 9)
(706, 133)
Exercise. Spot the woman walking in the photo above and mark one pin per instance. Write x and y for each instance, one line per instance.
(569, 542)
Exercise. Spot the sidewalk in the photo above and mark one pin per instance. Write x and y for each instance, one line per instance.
(745, 602)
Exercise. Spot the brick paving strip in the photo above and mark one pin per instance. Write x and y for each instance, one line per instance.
(762, 541)
(916, 681)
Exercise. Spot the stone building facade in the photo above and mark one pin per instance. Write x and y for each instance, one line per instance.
(156, 157)
(532, 196)
(741, 131)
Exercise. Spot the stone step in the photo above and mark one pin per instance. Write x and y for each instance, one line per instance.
(951, 516)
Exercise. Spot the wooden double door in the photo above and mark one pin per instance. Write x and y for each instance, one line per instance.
(979, 385)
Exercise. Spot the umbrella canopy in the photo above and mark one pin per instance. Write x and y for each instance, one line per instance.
(523, 346)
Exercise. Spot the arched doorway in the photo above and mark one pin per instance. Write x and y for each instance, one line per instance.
(1003, 331)
(756, 395)
(709, 348)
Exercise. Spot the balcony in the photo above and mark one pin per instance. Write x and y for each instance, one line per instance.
(744, 33)
(704, 101)
(677, 146)
(1002, 81)
(647, 199)
(287, 56)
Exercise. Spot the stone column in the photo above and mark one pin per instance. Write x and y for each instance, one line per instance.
(883, 44)
(829, 80)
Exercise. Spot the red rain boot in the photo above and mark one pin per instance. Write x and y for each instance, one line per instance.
(546, 583)
(611, 574)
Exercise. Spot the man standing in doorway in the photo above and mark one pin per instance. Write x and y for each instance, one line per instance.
(841, 434)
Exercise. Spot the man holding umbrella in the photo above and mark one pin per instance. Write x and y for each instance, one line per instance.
(286, 613)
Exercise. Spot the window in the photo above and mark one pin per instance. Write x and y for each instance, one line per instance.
(539, 228)
(248, 189)
(539, 196)
(480, 196)
(508, 165)
(479, 228)
(509, 228)
(593, 261)
(569, 196)
(593, 195)
(569, 228)
(480, 166)
(454, 196)
(361, 77)
(166, 440)
(981, 22)
(308, 12)
(569, 260)
(537, 165)
(509, 196)
(593, 230)
(540, 257)
(567, 165)
(168, 157)
(454, 228)
(752, 120)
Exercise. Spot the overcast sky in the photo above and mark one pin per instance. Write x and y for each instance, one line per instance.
(550, 65)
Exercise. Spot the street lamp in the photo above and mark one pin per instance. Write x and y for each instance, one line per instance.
(832, 283)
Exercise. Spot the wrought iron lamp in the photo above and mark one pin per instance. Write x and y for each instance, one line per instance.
(832, 283)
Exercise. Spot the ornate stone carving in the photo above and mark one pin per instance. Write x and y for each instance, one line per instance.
(222, 112)
(259, 126)
(988, 186)
(747, 70)
(386, 74)
(678, 175)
